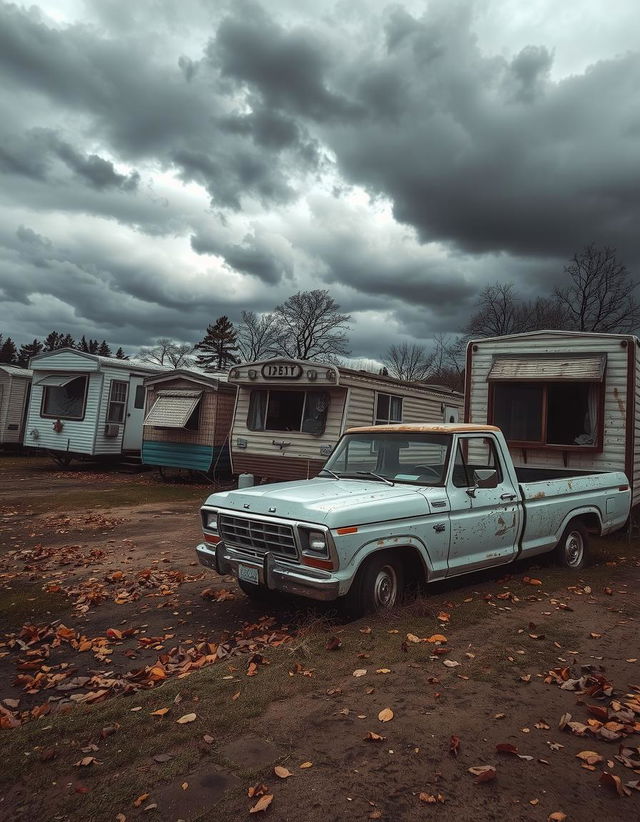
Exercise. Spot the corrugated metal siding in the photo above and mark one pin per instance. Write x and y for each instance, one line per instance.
(613, 456)
(226, 401)
(172, 409)
(5, 388)
(178, 455)
(636, 454)
(63, 361)
(206, 433)
(12, 425)
(274, 468)
(76, 436)
(589, 369)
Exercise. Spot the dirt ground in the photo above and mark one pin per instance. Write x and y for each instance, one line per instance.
(111, 633)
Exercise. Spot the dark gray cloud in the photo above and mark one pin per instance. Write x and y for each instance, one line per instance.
(161, 166)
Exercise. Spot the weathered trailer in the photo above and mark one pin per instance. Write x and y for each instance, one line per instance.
(290, 414)
(566, 401)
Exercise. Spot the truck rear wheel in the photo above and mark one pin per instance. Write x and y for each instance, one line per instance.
(571, 551)
(378, 586)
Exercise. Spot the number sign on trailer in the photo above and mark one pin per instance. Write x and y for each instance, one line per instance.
(282, 370)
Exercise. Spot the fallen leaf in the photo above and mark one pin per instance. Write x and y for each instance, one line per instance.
(184, 786)
(374, 737)
(450, 663)
(262, 804)
(359, 672)
(385, 715)
(413, 638)
(186, 718)
(283, 773)
(437, 638)
(208, 739)
(160, 712)
(483, 773)
(454, 745)
(532, 581)
(557, 816)
(615, 783)
(507, 748)
(306, 765)
(590, 757)
(162, 757)
(142, 798)
(333, 644)
(86, 761)
(383, 671)
(443, 616)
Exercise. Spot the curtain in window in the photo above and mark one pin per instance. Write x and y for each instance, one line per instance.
(590, 434)
(257, 411)
(315, 412)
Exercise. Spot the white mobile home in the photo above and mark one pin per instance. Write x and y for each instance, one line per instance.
(86, 405)
(290, 413)
(188, 421)
(564, 399)
(15, 384)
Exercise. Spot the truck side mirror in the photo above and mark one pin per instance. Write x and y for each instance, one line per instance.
(485, 478)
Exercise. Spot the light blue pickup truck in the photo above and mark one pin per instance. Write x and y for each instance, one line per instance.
(399, 505)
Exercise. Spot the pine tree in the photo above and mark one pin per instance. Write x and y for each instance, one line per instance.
(67, 341)
(120, 355)
(83, 345)
(218, 346)
(104, 350)
(28, 351)
(52, 341)
(9, 352)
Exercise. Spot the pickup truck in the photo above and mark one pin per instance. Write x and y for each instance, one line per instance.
(399, 505)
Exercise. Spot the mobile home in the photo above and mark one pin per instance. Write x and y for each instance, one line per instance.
(84, 405)
(290, 413)
(188, 421)
(564, 399)
(15, 385)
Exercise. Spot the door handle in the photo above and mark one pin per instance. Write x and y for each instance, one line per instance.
(439, 527)
(507, 496)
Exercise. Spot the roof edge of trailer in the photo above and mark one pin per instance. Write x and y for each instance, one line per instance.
(554, 333)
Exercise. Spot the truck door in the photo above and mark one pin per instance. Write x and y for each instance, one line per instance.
(485, 522)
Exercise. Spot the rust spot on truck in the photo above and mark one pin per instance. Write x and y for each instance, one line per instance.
(539, 495)
(502, 530)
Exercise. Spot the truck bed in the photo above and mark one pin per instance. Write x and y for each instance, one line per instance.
(528, 475)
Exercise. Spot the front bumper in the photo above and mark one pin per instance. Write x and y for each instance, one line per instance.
(273, 573)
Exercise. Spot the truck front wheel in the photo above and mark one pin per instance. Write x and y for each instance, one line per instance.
(378, 585)
(571, 551)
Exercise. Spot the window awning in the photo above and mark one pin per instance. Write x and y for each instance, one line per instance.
(549, 369)
(172, 409)
(58, 379)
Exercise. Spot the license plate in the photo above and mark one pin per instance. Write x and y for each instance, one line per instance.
(248, 574)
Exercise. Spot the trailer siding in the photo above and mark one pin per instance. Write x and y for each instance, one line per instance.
(616, 398)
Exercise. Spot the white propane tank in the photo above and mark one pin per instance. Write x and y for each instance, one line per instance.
(245, 480)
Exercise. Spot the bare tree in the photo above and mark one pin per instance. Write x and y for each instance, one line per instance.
(310, 326)
(495, 313)
(600, 295)
(169, 353)
(407, 361)
(448, 361)
(258, 336)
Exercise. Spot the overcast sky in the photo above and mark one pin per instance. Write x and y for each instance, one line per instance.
(164, 163)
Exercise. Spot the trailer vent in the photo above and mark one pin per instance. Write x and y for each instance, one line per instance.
(111, 430)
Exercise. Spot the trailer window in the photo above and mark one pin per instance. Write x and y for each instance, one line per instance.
(273, 410)
(388, 409)
(117, 401)
(564, 414)
(65, 402)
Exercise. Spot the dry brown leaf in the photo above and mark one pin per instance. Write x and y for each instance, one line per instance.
(306, 765)
(385, 715)
(615, 783)
(160, 712)
(590, 757)
(454, 745)
(437, 638)
(443, 616)
(142, 798)
(333, 644)
(507, 748)
(86, 761)
(282, 772)
(185, 786)
(186, 718)
(413, 638)
(557, 816)
(359, 672)
(262, 804)
(374, 737)
(450, 663)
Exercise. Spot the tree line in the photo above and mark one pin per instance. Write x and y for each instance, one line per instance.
(596, 295)
(10, 354)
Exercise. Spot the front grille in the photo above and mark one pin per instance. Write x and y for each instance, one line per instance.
(256, 535)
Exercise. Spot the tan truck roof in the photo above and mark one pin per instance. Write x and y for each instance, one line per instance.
(427, 428)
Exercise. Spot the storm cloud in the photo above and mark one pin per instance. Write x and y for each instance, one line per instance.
(158, 169)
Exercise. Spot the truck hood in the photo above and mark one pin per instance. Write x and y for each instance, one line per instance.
(331, 502)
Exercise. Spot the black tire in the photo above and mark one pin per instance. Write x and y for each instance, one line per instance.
(378, 586)
(571, 551)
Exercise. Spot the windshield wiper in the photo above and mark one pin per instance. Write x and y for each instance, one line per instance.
(377, 476)
(333, 473)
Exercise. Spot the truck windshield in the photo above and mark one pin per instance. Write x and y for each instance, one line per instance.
(416, 458)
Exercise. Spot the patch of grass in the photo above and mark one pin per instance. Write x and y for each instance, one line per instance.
(22, 602)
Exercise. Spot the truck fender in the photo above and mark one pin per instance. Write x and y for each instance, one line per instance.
(588, 511)
(400, 541)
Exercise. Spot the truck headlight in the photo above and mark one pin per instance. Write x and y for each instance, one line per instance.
(317, 541)
(210, 520)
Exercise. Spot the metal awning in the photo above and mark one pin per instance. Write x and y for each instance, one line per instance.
(58, 379)
(548, 369)
(172, 409)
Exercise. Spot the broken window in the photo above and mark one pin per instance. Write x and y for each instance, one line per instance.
(273, 410)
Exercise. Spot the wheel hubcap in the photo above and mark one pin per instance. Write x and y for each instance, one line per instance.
(574, 548)
(386, 587)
